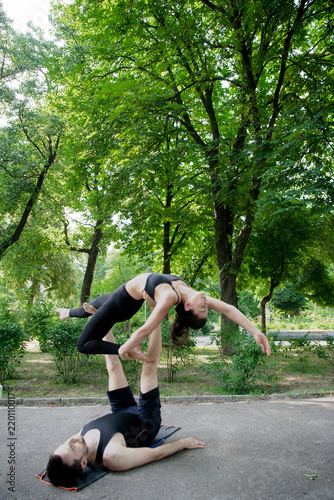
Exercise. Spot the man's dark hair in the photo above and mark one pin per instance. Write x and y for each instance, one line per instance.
(61, 474)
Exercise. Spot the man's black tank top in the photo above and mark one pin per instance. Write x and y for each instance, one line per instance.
(153, 280)
(126, 423)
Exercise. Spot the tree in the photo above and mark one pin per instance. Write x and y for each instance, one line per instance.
(150, 187)
(30, 139)
(86, 203)
(288, 300)
(164, 214)
(278, 245)
(36, 266)
(317, 282)
(248, 82)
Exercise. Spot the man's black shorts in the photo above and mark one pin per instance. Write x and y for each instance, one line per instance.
(148, 409)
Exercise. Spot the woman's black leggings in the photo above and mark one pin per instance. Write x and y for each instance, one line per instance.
(113, 308)
(79, 312)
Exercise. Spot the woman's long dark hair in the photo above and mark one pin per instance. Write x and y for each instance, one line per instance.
(179, 333)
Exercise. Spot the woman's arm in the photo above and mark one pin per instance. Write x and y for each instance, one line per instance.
(240, 319)
(160, 311)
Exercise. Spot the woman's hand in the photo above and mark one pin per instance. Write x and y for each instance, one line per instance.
(262, 341)
(135, 353)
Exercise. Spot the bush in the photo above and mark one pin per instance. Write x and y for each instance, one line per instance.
(62, 342)
(326, 351)
(238, 373)
(40, 316)
(12, 347)
(57, 337)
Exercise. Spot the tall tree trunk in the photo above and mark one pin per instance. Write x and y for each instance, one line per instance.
(93, 253)
(264, 302)
(274, 282)
(167, 248)
(228, 292)
(91, 263)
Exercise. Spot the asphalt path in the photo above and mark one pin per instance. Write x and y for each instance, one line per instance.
(255, 450)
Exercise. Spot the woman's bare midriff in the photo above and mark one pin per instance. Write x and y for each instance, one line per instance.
(136, 288)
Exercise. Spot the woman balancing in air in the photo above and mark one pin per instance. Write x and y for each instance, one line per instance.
(161, 292)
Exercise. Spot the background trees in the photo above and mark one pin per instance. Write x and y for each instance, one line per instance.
(196, 136)
(30, 136)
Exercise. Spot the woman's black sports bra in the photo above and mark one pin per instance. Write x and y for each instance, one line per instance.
(153, 280)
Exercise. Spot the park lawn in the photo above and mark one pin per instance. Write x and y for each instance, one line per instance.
(36, 377)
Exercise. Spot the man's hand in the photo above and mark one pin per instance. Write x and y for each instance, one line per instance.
(262, 341)
(135, 353)
(193, 443)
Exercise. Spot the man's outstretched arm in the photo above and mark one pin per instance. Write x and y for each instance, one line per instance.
(122, 458)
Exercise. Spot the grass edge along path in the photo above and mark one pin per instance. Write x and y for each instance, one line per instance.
(36, 381)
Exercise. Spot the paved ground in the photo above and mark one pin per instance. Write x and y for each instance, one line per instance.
(257, 450)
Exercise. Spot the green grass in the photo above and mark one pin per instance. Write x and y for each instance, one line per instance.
(37, 377)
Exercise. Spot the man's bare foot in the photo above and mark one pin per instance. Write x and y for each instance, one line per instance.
(63, 312)
(89, 309)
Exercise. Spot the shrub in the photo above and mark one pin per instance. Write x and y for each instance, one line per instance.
(302, 347)
(12, 347)
(62, 342)
(326, 351)
(238, 373)
(39, 317)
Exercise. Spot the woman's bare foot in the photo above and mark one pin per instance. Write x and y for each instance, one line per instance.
(63, 312)
(88, 308)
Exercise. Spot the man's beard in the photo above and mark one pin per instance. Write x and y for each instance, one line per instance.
(84, 444)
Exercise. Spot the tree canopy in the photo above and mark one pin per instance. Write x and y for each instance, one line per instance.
(182, 124)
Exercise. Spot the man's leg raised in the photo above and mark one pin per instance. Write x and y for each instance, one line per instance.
(117, 378)
(149, 375)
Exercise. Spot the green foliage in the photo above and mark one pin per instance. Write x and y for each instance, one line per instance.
(36, 266)
(239, 373)
(183, 130)
(318, 281)
(132, 371)
(58, 337)
(38, 319)
(304, 347)
(115, 269)
(12, 339)
(300, 348)
(287, 299)
(312, 318)
(30, 134)
(248, 304)
(226, 338)
(326, 352)
(62, 339)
